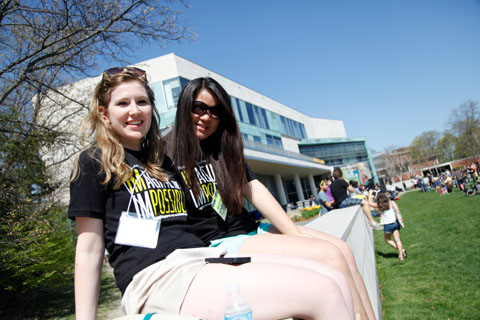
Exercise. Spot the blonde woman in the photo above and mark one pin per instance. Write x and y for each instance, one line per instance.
(128, 198)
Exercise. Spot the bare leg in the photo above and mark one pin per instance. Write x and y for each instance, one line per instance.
(348, 255)
(388, 240)
(308, 248)
(325, 270)
(285, 291)
(368, 212)
(396, 237)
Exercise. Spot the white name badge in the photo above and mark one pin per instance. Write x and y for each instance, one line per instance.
(133, 231)
(219, 206)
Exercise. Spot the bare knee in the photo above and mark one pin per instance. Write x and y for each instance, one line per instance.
(332, 255)
(335, 300)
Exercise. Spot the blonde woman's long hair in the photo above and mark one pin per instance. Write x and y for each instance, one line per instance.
(98, 134)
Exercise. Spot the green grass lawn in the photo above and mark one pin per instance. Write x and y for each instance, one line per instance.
(440, 279)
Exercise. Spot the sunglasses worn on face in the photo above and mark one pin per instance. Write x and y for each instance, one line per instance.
(201, 108)
(117, 70)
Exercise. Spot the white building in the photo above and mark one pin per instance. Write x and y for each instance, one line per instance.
(271, 130)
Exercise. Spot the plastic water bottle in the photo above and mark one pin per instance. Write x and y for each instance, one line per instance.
(237, 307)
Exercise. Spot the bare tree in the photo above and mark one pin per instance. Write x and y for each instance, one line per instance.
(397, 161)
(48, 44)
(464, 124)
(45, 46)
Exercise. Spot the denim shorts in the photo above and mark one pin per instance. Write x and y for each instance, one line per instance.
(389, 228)
(348, 202)
(233, 244)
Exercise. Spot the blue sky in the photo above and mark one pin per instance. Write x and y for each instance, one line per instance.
(389, 69)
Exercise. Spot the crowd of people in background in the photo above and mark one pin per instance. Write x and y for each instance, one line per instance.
(465, 179)
(373, 199)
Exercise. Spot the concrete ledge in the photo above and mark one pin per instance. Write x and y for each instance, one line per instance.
(350, 225)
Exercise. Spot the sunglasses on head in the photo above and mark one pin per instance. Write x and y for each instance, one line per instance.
(116, 70)
(200, 108)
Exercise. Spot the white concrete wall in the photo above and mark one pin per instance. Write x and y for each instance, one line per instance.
(323, 128)
(350, 225)
(290, 144)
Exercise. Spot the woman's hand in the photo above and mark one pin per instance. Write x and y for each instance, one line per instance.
(258, 195)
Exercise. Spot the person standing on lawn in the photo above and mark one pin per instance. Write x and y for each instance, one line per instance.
(323, 199)
(391, 219)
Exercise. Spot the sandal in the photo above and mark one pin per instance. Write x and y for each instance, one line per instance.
(405, 253)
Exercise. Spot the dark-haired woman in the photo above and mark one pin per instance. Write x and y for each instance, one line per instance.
(206, 146)
(126, 196)
(389, 217)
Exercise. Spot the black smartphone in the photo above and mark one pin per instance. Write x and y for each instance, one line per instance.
(229, 260)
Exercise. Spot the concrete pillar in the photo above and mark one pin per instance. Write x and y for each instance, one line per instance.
(280, 189)
(298, 187)
(313, 187)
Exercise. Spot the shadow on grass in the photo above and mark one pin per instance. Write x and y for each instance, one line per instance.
(41, 304)
(52, 304)
(387, 255)
(109, 292)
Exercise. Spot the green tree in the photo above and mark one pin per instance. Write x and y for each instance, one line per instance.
(45, 45)
(447, 148)
(464, 124)
(424, 146)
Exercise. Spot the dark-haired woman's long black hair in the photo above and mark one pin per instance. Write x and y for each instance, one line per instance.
(223, 149)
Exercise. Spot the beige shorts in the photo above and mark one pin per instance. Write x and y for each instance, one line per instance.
(163, 285)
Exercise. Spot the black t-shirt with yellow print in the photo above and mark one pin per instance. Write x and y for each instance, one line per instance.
(206, 222)
(143, 195)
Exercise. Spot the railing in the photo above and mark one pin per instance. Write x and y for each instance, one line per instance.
(252, 145)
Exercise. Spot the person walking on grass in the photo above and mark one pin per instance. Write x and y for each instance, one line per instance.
(391, 219)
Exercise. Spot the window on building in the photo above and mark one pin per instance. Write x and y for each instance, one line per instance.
(274, 141)
(251, 115)
(303, 132)
(305, 188)
(172, 88)
(293, 128)
(264, 118)
(236, 108)
(292, 196)
(160, 102)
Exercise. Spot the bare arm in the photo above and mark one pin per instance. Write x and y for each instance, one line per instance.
(328, 204)
(396, 209)
(350, 189)
(258, 195)
(89, 255)
(369, 198)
